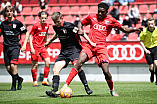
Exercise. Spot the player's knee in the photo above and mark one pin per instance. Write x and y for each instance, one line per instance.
(47, 63)
(55, 71)
(35, 66)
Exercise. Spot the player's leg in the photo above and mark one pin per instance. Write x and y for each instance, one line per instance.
(155, 64)
(46, 72)
(55, 80)
(34, 73)
(151, 69)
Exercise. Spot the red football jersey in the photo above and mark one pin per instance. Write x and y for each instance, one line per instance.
(100, 28)
(39, 32)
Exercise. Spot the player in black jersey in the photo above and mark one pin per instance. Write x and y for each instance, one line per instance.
(11, 28)
(70, 50)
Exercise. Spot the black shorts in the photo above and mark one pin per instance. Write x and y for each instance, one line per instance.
(151, 57)
(69, 55)
(11, 54)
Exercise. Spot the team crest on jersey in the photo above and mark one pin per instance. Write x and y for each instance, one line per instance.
(64, 31)
(14, 26)
(106, 22)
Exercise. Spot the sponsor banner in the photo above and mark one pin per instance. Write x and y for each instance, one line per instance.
(119, 52)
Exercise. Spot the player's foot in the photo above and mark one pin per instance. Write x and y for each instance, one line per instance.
(36, 85)
(113, 93)
(155, 83)
(13, 89)
(19, 86)
(88, 90)
(58, 92)
(152, 77)
(51, 94)
(46, 83)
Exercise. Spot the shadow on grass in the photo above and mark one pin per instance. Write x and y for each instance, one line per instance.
(4, 90)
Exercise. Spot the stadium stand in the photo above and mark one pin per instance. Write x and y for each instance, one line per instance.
(68, 18)
(62, 1)
(53, 1)
(84, 10)
(152, 8)
(33, 1)
(27, 11)
(74, 10)
(81, 1)
(71, 1)
(93, 9)
(133, 37)
(65, 10)
(123, 9)
(35, 10)
(24, 2)
(54, 9)
(143, 8)
(29, 20)
(20, 18)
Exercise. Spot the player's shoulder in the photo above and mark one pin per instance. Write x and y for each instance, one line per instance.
(68, 24)
(17, 21)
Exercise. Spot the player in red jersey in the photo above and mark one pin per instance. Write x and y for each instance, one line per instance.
(39, 33)
(100, 27)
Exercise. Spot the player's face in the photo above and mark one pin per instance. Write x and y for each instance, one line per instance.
(151, 24)
(101, 13)
(43, 18)
(9, 13)
(58, 22)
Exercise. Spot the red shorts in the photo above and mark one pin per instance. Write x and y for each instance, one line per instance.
(40, 52)
(100, 52)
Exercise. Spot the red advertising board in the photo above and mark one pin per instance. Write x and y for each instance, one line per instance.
(119, 52)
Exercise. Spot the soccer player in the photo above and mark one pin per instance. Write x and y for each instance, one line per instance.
(148, 42)
(70, 49)
(100, 27)
(39, 33)
(11, 28)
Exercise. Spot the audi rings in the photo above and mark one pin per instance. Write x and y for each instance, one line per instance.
(126, 52)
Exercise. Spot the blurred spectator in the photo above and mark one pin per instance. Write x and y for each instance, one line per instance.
(114, 13)
(109, 2)
(134, 15)
(3, 5)
(144, 21)
(43, 5)
(77, 21)
(125, 2)
(18, 7)
(127, 22)
(120, 19)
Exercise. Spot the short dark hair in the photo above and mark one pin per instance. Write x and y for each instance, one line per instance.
(103, 5)
(43, 13)
(56, 15)
(150, 19)
(10, 8)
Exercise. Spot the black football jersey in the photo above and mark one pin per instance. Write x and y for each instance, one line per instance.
(11, 31)
(68, 36)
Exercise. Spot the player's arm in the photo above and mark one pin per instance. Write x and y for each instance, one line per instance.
(129, 30)
(0, 32)
(144, 48)
(25, 41)
(54, 36)
(31, 44)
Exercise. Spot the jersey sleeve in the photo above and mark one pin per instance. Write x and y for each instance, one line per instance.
(22, 28)
(116, 24)
(86, 20)
(33, 30)
(141, 37)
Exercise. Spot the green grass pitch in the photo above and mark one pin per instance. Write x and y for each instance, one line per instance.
(130, 93)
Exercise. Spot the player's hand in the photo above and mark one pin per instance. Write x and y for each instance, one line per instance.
(46, 44)
(23, 48)
(32, 51)
(140, 29)
(147, 52)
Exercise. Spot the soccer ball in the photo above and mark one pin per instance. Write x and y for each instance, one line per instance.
(66, 92)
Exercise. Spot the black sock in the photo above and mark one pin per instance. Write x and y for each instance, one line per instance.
(14, 78)
(18, 76)
(10, 73)
(55, 82)
(152, 72)
(82, 76)
(156, 73)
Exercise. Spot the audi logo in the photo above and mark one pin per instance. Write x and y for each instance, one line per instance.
(125, 52)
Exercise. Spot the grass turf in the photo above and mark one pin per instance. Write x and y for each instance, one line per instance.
(130, 93)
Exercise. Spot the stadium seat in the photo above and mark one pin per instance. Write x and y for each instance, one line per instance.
(13, 2)
(24, 2)
(152, 8)
(33, 1)
(54, 9)
(49, 20)
(53, 1)
(150, 0)
(123, 10)
(29, 28)
(148, 16)
(133, 37)
(143, 8)
(81, 1)
(91, 1)
(98, 1)
(154, 16)
(93, 9)
(27, 11)
(36, 19)
(74, 10)
(35, 10)
(51, 30)
(68, 19)
(62, 1)
(84, 10)
(71, 1)
(65, 10)
(20, 18)
(140, 0)
(29, 20)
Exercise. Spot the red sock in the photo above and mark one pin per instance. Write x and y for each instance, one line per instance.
(34, 74)
(110, 83)
(72, 74)
(46, 71)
